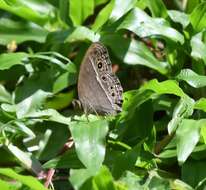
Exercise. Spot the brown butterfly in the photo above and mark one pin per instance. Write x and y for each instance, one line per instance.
(99, 89)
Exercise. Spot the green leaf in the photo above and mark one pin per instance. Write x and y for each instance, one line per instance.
(89, 139)
(183, 109)
(4, 95)
(120, 8)
(198, 45)
(68, 160)
(80, 10)
(79, 176)
(27, 10)
(82, 179)
(29, 181)
(133, 52)
(82, 33)
(104, 180)
(4, 185)
(192, 78)
(188, 134)
(66, 79)
(143, 25)
(201, 104)
(99, 2)
(32, 104)
(126, 160)
(49, 115)
(179, 17)
(18, 32)
(7, 60)
(114, 10)
(165, 87)
(28, 161)
(133, 99)
(103, 15)
(198, 17)
(130, 181)
(157, 8)
(197, 168)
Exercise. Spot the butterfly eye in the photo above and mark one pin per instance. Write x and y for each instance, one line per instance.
(111, 87)
(99, 65)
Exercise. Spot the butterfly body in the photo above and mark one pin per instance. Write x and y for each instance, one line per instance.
(99, 89)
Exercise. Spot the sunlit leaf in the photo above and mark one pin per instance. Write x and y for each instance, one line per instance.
(192, 78)
(29, 181)
(179, 17)
(198, 17)
(8, 60)
(188, 134)
(199, 46)
(80, 10)
(89, 139)
(143, 25)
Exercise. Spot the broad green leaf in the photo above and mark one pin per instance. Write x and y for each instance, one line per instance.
(28, 161)
(83, 179)
(89, 139)
(61, 100)
(198, 45)
(25, 129)
(133, 99)
(79, 33)
(120, 8)
(126, 160)
(104, 180)
(29, 181)
(201, 104)
(7, 60)
(79, 176)
(179, 17)
(196, 168)
(99, 2)
(165, 87)
(4, 185)
(130, 181)
(82, 33)
(183, 109)
(163, 180)
(188, 134)
(4, 95)
(190, 6)
(68, 160)
(24, 10)
(114, 10)
(134, 52)
(157, 8)
(143, 25)
(48, 115)
(198, 17)
(31, 104)
(203, 133)
(18, 32)
(103, 15)
(80, 10)
(51, 138)
(192, 78)
(66, 79)
(133, 133)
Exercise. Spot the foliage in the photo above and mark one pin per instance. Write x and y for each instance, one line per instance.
(158, 141)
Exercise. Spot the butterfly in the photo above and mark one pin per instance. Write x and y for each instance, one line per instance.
(99, 89)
